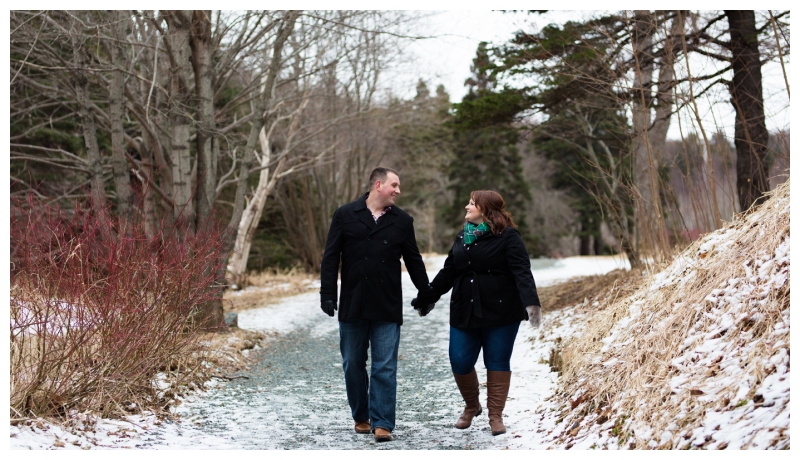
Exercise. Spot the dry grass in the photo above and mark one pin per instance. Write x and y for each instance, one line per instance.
(629, 383)
(587, 290)
(268, 287)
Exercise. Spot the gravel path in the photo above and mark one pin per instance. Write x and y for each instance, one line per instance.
(295, 396)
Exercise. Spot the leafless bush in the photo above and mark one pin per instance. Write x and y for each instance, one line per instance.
(99, 309)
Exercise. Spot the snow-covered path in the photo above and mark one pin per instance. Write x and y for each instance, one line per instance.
(294, 397)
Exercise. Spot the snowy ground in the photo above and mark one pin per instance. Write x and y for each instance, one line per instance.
(295, 398)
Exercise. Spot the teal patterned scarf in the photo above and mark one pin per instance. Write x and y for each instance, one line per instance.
(472, 232)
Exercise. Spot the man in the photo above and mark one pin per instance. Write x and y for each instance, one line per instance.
(370, 235)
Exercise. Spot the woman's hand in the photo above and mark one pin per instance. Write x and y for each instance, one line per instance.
(534, 315)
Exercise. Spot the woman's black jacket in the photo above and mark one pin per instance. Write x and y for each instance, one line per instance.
(491, 281)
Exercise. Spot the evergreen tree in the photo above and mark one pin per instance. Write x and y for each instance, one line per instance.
(485, 155)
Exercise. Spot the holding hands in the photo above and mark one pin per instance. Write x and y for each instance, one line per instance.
(425, 301)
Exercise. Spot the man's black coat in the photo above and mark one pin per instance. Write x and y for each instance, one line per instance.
(370, 259)
(491, 280)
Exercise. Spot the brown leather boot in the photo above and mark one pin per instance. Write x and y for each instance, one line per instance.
(497, 383)
(470, 391)
(382, 435)
(363, 427)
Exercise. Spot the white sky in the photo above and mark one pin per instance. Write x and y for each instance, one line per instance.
(446, 60)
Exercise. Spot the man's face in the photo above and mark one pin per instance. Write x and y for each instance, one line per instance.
(389, 189)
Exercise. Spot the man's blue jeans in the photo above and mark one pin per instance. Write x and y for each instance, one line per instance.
(497, 343)
(371, 398)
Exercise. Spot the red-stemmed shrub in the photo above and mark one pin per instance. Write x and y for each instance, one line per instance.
(99, 309)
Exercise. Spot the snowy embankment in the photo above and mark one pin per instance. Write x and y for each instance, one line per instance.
(698, 357)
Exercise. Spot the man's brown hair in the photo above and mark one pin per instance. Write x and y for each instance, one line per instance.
(379, 174)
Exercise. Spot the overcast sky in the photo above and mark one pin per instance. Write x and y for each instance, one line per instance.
(446, 59)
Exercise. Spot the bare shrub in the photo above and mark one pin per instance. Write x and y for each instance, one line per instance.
(99, 309)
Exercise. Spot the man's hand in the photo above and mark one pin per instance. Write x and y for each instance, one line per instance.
(427, 296)
(422, 309)
(328, 306)
(534, 315)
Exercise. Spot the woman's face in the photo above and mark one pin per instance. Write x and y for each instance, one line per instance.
(474, 214)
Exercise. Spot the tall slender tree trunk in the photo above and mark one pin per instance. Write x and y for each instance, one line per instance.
(252, 213)
(206, 165)
(214, 309)
(179, 23)
(88, 123)
(119, 164)
(648, 224)
(148, 195)
(261, 104)
(665, 104)
(751, 136)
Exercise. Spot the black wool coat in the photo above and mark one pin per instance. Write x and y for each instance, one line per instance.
(491, 281)
(370, 260)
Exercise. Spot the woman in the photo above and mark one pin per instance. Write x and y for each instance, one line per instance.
(493, 291)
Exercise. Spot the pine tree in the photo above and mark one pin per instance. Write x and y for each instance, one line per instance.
(485, 155)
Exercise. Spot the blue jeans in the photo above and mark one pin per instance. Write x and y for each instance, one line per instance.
(372, 398)
(497, 343)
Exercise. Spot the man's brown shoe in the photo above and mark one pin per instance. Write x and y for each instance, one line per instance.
(382, 435)
(363, 427)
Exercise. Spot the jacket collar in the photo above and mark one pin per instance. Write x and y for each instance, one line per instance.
(361, 204)
(365, 215)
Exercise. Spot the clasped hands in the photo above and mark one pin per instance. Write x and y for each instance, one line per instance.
(425, 301)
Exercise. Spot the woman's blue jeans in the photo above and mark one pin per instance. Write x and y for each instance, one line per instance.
(372, 398)
(497, 343)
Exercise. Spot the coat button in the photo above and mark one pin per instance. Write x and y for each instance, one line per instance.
(501, 301)
(471, 300)
(385, 242)
(365, 258)
(468, 262)
(471, 281)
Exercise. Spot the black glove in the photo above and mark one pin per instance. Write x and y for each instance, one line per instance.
(422, 309)
(427, 296)
(328, 306)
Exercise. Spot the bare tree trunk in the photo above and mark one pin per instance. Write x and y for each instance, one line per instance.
(179, 23)
(88, 124)
(647, 211)
(287, 25)
(206, 165)
(116, 110)
(266, 184)
(148, 195)
(665, 104)
(751, 134)
(252, 214)
(213, 311)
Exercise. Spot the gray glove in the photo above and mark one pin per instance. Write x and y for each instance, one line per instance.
(534, 315)
(328, 306)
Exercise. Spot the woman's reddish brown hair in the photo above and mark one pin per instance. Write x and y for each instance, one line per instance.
(493, 208)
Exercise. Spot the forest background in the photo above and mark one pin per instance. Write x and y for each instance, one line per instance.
(270, 120)
(210, 143)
